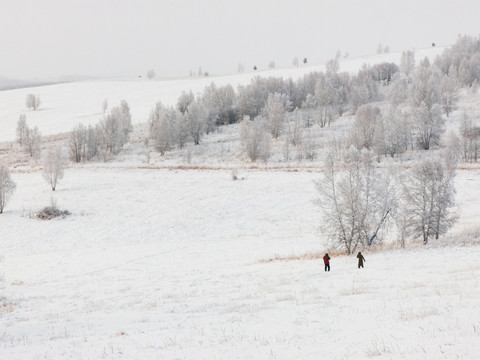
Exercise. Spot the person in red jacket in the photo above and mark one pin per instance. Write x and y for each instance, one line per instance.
(326, 261)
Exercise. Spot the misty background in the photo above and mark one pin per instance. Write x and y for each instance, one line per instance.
(50, 39)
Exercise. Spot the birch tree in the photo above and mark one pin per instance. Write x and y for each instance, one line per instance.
(448, 92)
(33, 141)
(54, 164)
(275, 111)
(32, 101)
(22, 129)
(7, 186)
(429, 196)
(367, 121)
(196, 120)
(254, 138)
(357, 202)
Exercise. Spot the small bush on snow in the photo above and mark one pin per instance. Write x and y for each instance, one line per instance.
(51, 212)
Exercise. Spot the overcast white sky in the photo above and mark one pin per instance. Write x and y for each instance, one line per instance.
(109, 38)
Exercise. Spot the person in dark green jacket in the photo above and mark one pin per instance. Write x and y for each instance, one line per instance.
(361, 259)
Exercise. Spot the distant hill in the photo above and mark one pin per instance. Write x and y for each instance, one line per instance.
(10, 84)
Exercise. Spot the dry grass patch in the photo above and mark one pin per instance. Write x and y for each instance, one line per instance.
(316, 255)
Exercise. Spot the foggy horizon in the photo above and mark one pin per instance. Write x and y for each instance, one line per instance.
(51, 39)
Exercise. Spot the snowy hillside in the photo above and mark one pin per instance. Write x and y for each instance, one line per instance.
(158, 264)
(200, 253)
(65, 105)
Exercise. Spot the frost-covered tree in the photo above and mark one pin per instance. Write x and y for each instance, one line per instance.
(357, 202)
(427, 125)
(252, 98)
(448, 92)
(85, 143)
(184, 100)
(154, 118)
(78, 143)
(209, 101)
(392, 133)
(226, 98)
(94, 136)
(113, 131)
(22, 129)
(196, 120)
(308, 145)
(163, 125)
(310, 111)
(125, 119)
(7, 186)
(383, 72)
(469, 139)
(407, 63)
(275, 111)
(426, 114)
(397, 92)
(294, 127)
(32, 101)
(254, 138)
(425, 85)
(151, 74)
(367, 120)
(364, 88)
(429, 196)
(325, 99)
(54, 163)
(359, 95)
(464, 58)
(33, 142)
(111, 134)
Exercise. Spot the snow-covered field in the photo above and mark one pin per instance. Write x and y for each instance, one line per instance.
(157, 262)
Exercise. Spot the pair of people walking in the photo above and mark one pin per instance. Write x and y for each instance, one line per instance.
(326, 261)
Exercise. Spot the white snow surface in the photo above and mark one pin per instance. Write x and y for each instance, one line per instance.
(65, 105)
(165, 264)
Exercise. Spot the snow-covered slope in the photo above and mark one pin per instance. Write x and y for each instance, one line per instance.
(65, 105)
(159, 264)
(156, 262)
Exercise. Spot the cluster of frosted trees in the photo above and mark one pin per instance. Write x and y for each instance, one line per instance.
(282, 107)
(287, 109)
(30, 139)
(192, 117)
(359, 203)
(462, 60)
(103, 139)
(417, 99)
